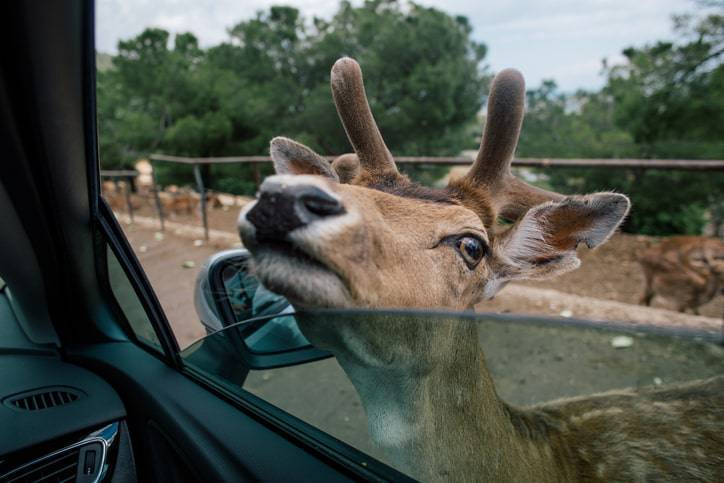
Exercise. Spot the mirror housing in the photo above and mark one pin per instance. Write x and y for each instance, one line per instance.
(241, 316)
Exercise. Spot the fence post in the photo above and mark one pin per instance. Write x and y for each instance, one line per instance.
(257, 175)
(159, 208)
(127, 190)
(202, 192)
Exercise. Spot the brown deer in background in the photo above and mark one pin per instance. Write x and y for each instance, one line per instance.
(383, 241)
(115, 195)
(688, 270)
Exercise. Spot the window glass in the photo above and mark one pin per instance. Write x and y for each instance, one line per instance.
(529, 362)
(129, 302)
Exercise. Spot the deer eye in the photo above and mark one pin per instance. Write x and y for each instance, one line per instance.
(471, 249)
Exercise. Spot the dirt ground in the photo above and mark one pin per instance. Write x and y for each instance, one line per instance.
(530, 364)
(610, 272)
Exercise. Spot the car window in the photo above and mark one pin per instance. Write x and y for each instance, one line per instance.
(529, 361)
(382, 155)
(129, 302)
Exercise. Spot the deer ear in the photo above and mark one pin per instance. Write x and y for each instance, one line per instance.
(291, 157)
(543, 242)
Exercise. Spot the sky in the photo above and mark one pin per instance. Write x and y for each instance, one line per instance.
(564, 40)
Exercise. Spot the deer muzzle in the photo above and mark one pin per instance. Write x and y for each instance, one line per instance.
(282, 208)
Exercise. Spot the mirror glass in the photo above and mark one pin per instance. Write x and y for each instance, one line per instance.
(245, 296)
(228, 295)
(251, 305)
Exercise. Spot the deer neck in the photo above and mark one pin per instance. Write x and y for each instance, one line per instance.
(447, 423)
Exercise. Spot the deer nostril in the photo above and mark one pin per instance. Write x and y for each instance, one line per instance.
(321, 204)
(281, 209)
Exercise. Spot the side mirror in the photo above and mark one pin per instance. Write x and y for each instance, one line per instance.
(247, 325)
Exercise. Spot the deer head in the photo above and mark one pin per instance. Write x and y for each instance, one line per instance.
(360, 234)
(379, 240)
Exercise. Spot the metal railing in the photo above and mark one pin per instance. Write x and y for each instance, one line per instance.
(675, 164)
(255, 161)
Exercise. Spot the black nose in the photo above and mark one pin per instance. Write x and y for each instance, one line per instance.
(282, 208)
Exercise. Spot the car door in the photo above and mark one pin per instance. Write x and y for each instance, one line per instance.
(107, 318)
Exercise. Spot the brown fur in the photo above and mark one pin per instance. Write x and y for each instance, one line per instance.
(461, 431)
(500, 138)
(177, 201)
(349, 96)
(294, 158)
(476, 197)
(686, 269)
(346, 166)
(407, 230)
(430, 400)
(670, 434)
(462, 191)
(115, 196)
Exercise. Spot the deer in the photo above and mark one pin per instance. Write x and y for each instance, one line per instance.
(378, 240)
(688, 270)
(115, 195)
(181, 200)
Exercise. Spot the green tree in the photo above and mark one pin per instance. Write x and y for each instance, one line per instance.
(665, 100)
(672, 92)
(572, 126)
(670, 97)
(422, 70)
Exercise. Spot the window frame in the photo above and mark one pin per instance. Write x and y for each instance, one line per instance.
(322, 445)
(111, 237)
(106, 249)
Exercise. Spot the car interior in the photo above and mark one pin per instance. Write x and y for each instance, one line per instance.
(82, 398)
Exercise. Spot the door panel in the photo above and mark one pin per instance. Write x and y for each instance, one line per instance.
(180, 428)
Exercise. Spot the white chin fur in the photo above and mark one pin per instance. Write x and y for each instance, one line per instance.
(303, 282)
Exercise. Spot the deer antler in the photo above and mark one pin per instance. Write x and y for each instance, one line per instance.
(511, 196)
(354, 112)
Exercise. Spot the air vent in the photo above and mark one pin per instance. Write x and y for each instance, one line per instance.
(81, 462)
(43, 398)
(60, 467)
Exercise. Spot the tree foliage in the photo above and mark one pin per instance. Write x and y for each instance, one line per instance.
(422, 70)
(665, 100)
(426, 81)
